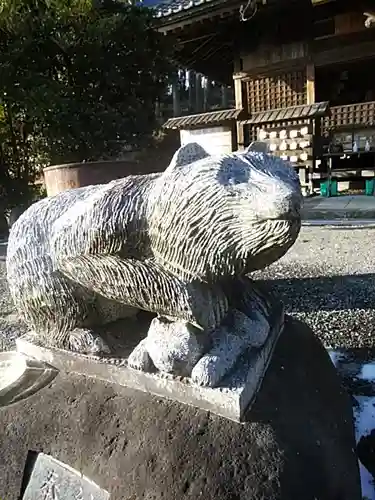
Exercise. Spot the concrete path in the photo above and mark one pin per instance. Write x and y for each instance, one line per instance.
(339, 207)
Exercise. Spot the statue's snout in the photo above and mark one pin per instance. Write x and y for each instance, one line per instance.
(278, 199)
(290, 205)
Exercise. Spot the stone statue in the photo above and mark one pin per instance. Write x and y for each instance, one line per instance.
(179, 244)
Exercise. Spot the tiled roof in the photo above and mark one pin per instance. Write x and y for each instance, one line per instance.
(169, 8)
(203, 118)
(291, 113)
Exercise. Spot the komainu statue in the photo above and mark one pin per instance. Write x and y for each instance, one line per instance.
(179, 244)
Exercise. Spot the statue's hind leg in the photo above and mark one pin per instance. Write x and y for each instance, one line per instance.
(58, 311)
(145, 285)
(187, 311)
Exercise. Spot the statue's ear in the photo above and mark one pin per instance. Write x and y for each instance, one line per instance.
(258, 146)
(187, 154)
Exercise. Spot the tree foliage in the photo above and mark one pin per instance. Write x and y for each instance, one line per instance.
(77, 81)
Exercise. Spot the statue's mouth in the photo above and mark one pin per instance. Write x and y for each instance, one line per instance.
(287, 217)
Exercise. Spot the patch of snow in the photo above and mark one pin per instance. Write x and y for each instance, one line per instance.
(367, 371)
(367, 483)
(364, 421)
(364, 415)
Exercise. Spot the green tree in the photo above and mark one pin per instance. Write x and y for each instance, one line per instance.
(77, 81)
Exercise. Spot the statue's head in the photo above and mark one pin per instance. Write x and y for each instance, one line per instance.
(242, 206)
(264, 186)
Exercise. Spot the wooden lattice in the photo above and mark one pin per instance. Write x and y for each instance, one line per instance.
(361, 114)
(279, 91)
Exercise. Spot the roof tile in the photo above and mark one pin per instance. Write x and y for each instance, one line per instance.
(291, 113)
(168, 8)
(221, 115)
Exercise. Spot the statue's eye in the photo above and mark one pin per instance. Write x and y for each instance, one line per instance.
(233, 181)
(232, 175)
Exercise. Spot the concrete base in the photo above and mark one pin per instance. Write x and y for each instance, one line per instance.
(296, 442)
(230, 399)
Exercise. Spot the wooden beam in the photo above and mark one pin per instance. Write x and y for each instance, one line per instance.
(273, 55)
(310, 83)
(239, 103)
(238, 93)
(342, 54)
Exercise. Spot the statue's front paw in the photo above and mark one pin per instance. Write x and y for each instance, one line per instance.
(139, 358)
(170, 347)
(86, 341)
(175, 346)
(229, 343)
(214, 365)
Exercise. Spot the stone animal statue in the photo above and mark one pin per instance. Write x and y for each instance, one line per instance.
(178, 243)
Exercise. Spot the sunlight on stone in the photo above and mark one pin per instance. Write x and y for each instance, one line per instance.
(12, 366)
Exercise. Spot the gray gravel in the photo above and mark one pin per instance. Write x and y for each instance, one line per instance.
(327, 279)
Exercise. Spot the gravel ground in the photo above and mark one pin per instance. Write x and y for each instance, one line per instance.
(327, 279)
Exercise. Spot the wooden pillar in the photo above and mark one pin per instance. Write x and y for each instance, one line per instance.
(176, 99)
(207, 93)
(238, 93)
(198, 93)
(224, 97)
(191, 77)
(310, 83)
(158, 113)
(310, 97)
(238, 96)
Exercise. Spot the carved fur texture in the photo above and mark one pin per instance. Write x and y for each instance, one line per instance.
(168, 243)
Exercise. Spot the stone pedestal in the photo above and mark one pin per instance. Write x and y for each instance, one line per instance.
(296, 441)
(230, 398)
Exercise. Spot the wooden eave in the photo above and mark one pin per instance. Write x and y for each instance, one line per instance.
(204, 119)
(208, 38)
(310, 111)
(208, 48)
(174, 16)
(208, 10)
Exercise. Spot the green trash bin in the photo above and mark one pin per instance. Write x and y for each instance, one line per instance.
(334, 188)
(328, 188)
(324, 189)
(370, 187)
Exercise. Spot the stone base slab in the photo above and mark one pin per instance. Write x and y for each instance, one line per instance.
(230, 399)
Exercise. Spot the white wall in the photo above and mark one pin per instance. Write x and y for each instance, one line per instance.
(214, 140)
